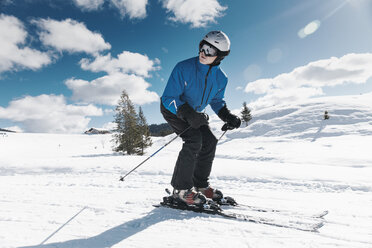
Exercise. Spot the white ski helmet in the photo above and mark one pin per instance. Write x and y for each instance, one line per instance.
(220, 41)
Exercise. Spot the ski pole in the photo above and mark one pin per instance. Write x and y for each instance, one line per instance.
(222, 135)
(122, 177)
(224, 128)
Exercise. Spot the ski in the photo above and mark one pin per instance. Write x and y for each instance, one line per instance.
(214, 209)
(319, 215)
(302, 226)
(230, 201)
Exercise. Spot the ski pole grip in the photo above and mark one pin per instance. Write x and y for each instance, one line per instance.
(226, 127)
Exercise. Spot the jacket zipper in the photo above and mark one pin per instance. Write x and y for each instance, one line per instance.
(206, 101)
(205, 87)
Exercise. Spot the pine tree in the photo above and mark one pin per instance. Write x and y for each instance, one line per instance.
(128, 135)
(144, 130)
(246, 114)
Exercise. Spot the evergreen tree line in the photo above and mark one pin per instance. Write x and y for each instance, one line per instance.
(160, 130)
(132, 134)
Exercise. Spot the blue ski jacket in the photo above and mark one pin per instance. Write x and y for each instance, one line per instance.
(196, 84)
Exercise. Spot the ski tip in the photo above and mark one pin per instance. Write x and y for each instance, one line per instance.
(325, 212)
(318, 226)
(322, 214)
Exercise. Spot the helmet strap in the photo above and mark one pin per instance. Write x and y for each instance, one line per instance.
(218, 60)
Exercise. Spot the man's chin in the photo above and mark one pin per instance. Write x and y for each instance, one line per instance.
(202, 61)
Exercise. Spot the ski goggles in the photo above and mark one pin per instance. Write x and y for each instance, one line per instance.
(208, 50)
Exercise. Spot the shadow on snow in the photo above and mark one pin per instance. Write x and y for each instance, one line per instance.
(119, 233)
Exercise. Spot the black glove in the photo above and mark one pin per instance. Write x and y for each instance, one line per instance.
(192, 117)
(232, 121)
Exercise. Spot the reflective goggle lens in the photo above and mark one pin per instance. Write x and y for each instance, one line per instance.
(208, 50)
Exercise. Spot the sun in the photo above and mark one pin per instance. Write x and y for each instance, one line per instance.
(359, 3)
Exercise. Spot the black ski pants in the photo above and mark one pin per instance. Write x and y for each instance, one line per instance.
(195, 159)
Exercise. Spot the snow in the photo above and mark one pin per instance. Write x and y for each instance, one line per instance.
(59, 190)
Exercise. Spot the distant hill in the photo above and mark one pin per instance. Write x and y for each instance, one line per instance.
(348, 115)
(5, 130)
(96, 131)
(160, 130)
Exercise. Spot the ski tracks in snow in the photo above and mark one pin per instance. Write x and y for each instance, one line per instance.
(49, 200)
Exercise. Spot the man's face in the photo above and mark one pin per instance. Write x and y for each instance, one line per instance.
(205, 59)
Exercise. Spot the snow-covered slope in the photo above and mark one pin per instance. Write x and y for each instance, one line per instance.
(348, 115)
(63, 190)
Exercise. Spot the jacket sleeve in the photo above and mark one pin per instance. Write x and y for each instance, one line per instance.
(171, 97)
(218, 101)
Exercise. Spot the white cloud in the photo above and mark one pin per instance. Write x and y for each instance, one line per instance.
(126, 72)
(49, 113)
(109, 111)
(89, 5)
(71, 36)
(198, 13)
(14, 54)
(109, 126)
(126, 62)
(308, 81)
(107, 89)
(133, 8)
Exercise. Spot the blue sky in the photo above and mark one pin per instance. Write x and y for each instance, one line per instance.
(63, 64)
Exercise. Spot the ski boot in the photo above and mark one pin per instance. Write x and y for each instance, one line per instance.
(189, 200)
(190, 196)
(211, 193)
(217, 196)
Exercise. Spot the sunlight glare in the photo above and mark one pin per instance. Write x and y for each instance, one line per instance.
(309, 29)
(358, 3)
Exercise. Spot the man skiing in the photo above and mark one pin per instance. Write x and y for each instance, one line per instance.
(193, 84)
